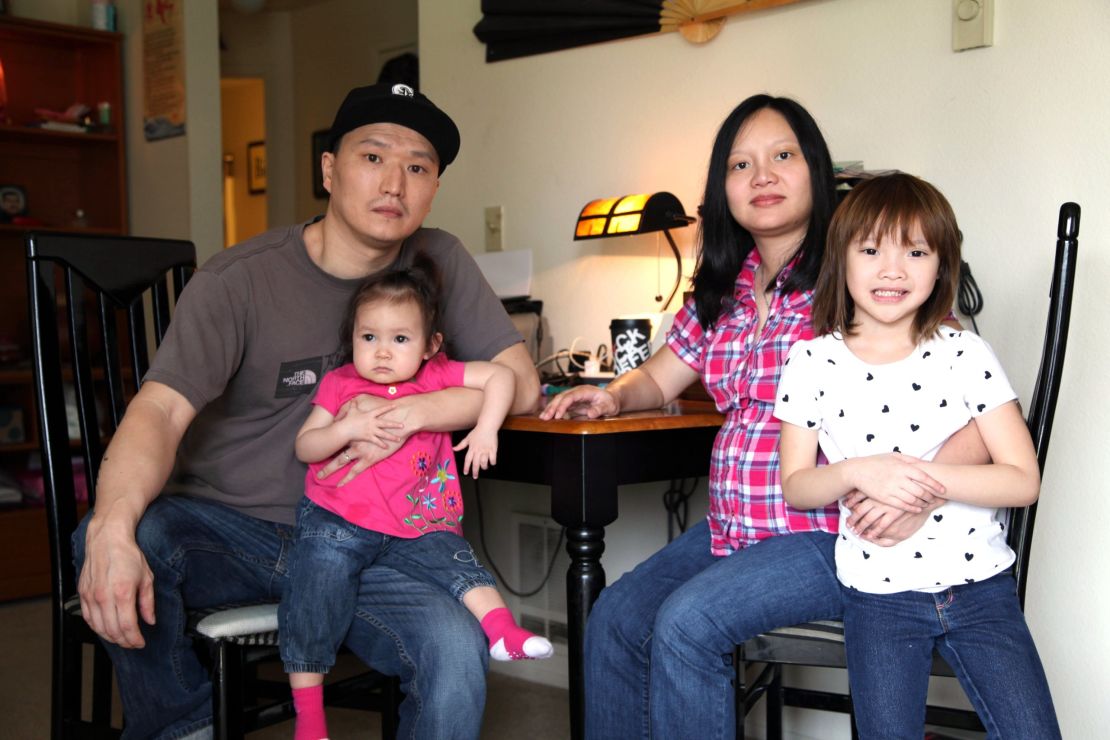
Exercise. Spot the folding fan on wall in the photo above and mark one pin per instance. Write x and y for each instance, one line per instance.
(517, 28)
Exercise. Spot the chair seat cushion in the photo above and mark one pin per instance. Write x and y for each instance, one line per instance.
(255, 624)
(827, 630)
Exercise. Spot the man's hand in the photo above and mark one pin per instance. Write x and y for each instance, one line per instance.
(361, 454)
(371, 425)
(114, 579)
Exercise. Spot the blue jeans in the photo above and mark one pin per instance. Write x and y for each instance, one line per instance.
(330, 553)
(205, 554)
(659, 641)
(980, 631)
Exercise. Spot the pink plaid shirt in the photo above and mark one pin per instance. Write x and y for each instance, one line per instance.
(741, 373)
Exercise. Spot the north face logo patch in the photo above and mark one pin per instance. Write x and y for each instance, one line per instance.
(298, 377)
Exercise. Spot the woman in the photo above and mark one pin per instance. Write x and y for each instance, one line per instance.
(658, 640)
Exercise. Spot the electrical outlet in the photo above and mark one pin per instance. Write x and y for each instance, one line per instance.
(494, 215)
(972, 24)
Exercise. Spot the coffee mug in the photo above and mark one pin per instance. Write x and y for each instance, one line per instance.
(631, 343)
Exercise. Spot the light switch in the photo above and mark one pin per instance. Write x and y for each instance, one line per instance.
(972, 24)
(493, 228)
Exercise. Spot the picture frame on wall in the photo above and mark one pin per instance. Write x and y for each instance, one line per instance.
(256, 167)
(319, 146)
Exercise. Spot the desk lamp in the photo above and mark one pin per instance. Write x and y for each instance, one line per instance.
(636, 214)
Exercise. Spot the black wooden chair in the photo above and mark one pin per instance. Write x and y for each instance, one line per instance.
(90, 326)
(821, 644)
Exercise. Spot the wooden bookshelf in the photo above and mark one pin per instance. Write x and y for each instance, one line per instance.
(49, 66)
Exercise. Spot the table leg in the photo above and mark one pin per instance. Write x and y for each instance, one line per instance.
(585, 579)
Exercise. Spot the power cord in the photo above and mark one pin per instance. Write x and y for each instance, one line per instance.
(493, 565)
(567, 362)
(968, 298)
(676, 500)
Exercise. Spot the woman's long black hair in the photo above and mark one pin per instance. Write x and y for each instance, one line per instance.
(725, 244)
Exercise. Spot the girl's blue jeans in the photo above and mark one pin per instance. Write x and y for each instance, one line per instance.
(979, 630)
(204, 554)
(324, 571)
(659, 641)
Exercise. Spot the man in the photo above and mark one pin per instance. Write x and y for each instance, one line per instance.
(195, 502)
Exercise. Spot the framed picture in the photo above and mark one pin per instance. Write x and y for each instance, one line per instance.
(319, 145)
(13, 203)
(256, 167)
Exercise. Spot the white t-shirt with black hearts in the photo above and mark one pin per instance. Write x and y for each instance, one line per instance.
(911, 406)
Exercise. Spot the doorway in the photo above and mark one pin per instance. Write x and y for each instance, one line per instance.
(243, 125)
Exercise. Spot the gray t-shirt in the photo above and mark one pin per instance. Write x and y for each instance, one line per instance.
(255, 330)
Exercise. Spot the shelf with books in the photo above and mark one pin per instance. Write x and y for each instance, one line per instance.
(72, 181)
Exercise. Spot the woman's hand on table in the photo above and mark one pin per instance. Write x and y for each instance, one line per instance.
(585, 400)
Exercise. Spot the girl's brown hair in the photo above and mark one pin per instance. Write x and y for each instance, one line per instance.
(418, 283)
(888, 206)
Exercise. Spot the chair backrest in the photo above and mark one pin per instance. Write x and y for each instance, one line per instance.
(89, 329)
(1042, 409)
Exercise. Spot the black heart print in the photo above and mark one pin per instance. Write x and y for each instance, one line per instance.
(786, 398)
(968, 556)
(870, 376)
(811, 424)
(914, 427)
(886, 409)
(870, 437)
(937, 517)
(987, 375)
(916, 387)
(943, 403)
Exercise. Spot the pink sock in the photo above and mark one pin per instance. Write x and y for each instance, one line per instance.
(507, 641)
(309, 703)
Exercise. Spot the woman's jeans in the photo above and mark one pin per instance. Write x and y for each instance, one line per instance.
(979, 630)
(324, 570)
(659, 641)
(204, 554)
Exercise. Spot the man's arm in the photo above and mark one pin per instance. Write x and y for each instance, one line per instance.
(447, 410)
(115, 577)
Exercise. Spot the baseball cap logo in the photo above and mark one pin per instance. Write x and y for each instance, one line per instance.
(402, 90)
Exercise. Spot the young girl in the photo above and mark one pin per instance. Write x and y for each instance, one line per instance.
(879, 391)
(405, 511)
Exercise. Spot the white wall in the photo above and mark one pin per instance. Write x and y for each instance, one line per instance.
(1007, 132)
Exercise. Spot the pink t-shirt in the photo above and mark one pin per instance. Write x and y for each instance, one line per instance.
(413, 491)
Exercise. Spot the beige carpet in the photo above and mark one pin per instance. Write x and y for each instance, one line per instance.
(514, 708)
